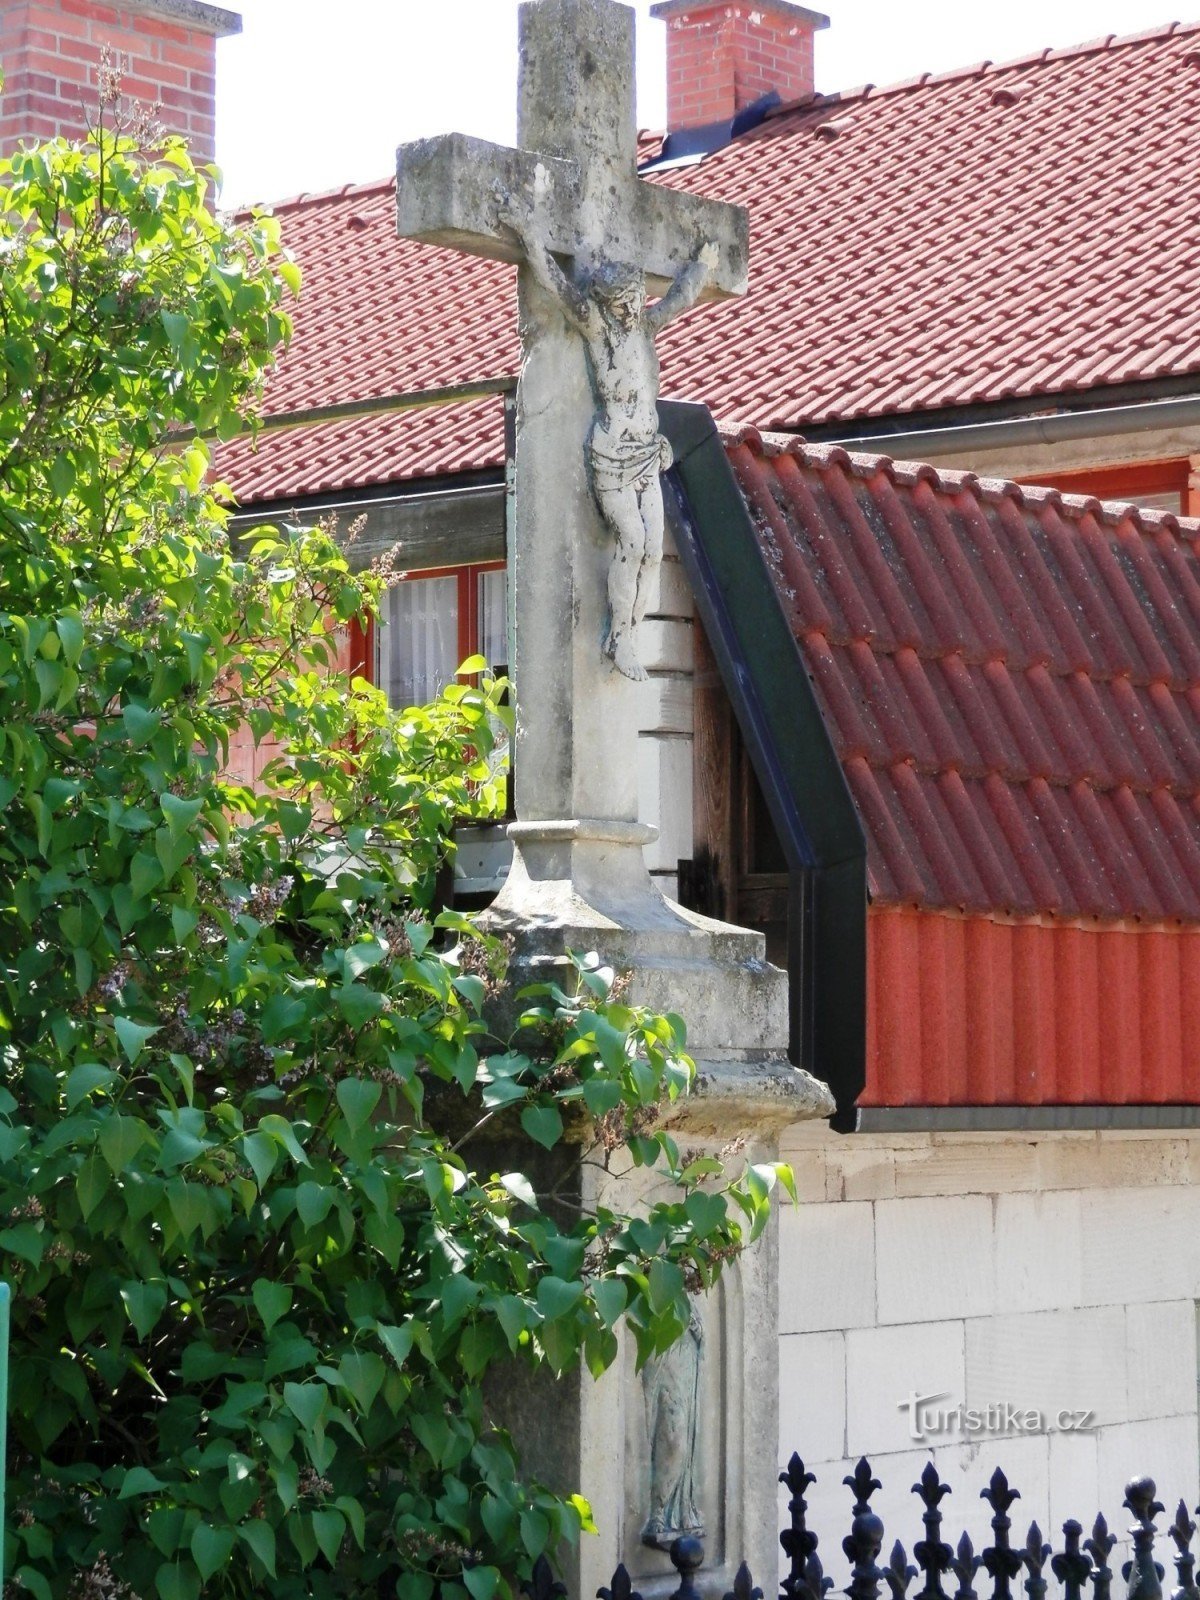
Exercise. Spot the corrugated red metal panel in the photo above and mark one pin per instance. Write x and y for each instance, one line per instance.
(1011, 690)
(1056, 278)
(973, 1011)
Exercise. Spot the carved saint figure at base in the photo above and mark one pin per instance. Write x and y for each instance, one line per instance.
(672, 1390)
(626, 453)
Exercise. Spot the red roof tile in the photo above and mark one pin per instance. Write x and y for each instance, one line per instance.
(983, 234)
(971, 1011)
(1011, 678)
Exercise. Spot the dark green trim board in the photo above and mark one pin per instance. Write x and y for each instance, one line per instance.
(789, 746)
(1024, 1119)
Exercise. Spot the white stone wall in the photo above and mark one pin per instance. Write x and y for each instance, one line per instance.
(1048, 1271)
(665, 743)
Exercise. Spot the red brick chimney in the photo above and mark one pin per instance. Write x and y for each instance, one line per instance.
(166, 50)
(724, 55)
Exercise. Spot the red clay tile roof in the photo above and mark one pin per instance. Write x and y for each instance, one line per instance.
(1003, 231)
(1011, 678)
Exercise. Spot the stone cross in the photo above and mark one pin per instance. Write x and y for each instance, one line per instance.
(570, 208)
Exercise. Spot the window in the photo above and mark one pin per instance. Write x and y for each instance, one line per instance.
(430, 624)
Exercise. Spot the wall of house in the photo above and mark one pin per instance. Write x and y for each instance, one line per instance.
(1047, 1271)
(665, 745)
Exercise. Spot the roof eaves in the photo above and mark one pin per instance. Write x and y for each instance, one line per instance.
(865, 464)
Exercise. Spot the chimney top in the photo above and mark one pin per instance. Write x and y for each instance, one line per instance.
(50, 52)
(666, 9)
(197, 14)
(192, 13)
(728, 61)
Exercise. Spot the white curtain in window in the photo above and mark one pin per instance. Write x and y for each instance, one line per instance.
(493, 618)
(418, 640)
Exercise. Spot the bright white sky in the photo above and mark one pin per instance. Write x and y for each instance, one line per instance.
(316, 93)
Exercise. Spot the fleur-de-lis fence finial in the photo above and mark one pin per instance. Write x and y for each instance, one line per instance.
(743, 1586)
(899, 1572)
(964, 1567)
(1142, 1573)
(1037, 1553)
(934, 1556)
(1073, 1567)
(1100, 1546)
(805, 1578)
(1182, 1532)
(542, 1584)
(1002, 1562)
(621, 1587)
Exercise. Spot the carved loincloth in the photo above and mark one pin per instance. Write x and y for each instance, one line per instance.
(632, 465)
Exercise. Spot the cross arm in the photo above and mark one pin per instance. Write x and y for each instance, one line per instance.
(452, 190)
(672, 227)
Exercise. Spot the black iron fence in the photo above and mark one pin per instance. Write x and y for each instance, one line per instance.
(1001, 1570)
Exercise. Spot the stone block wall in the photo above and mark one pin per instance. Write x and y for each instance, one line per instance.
(665, 742)
(1051, 1272)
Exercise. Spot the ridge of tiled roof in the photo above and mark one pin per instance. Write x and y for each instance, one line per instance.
(982, 69)
(1040, 245)
(317, 197)
(1011, 678)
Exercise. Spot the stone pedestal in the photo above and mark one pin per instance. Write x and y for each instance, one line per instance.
(582, 885)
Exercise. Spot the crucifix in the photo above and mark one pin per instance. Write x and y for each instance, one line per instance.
(593, 241)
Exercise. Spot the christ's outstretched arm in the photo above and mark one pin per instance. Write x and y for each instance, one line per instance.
(686, 289)
(550, 276)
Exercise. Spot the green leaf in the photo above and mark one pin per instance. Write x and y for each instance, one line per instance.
(352, 1510)
(397, 1341)
(133, 1036)
(180, 814)
(512, 1313)
(358, 1004)
(329, 1528)
(280, 1129)
(306, 1402)
(145, 1304)
(363, 1374)
(25, 1240)
(556, 1297)
(358, 1098)
(666, 1284)
(260, 1537)
(705, 1212)
(211, 1548)
(481, 1582)
(177, 1580)
(175, 325)
(313, 1201)
(91, 1185)
(611, 1297)
(271, 1300)
(84, 1080)
(140, 724)
(139, 1480)
(544, 1124)
(120, 1140)
(262, 1153)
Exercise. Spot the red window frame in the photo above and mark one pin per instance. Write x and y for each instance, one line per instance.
(1176, 475)
(363, 640)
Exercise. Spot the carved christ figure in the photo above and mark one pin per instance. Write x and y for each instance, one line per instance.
(625, 451)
